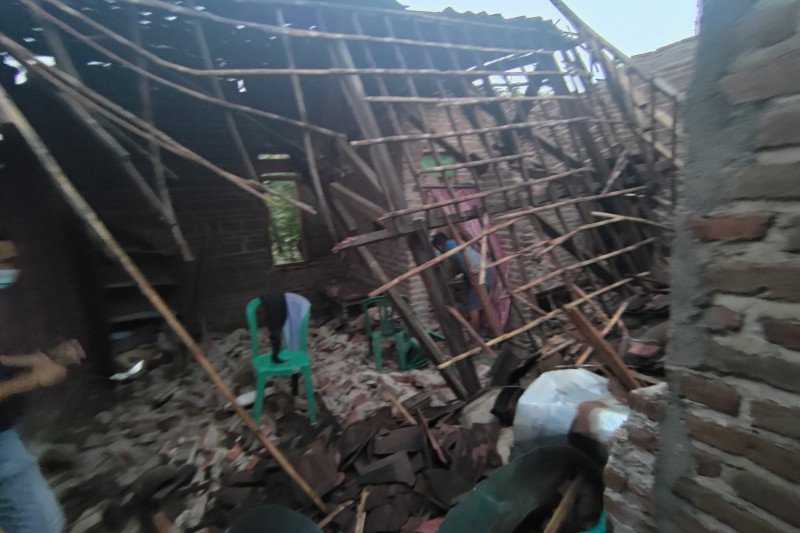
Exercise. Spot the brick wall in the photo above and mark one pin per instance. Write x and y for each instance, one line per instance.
(728, 451)
(229, 231)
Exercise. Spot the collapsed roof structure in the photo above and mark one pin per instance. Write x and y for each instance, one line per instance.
(547, 151)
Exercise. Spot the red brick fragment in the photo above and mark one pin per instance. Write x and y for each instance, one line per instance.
(746, 227)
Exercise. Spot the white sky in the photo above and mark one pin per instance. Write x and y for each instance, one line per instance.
(634, 26)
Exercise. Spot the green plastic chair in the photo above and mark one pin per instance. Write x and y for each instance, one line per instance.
(407, 348)
(292, 362)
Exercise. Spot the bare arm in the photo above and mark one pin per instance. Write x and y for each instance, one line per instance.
(43, 372)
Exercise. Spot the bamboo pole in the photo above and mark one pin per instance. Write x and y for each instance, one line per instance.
(172, 85)
(458, 101)
(483, 194)
(158, 164)
(612, 322)
(465, 133)
(512, 219)
(401, 409)
(564, 508)
(333, 514)
(582, 264)
(361, 512)
(607, 355)
(533, 323)
(104, 138)
(216, 90)
(549, 244)
(308, 144)
(96, 226)
(472, 333)
(130, 122)
(618, 217)
(432, 350)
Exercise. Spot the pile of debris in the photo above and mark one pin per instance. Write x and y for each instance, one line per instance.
(173, 452)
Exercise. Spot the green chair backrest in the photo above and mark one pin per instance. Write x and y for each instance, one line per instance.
(252, 324)
(385, 315)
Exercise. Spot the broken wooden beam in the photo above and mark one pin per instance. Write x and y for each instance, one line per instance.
(564, 508)
(611, 324)
(604, 352)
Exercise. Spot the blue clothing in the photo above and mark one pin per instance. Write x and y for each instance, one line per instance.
(27, 505)
(469, 262)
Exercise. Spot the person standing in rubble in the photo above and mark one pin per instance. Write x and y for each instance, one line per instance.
(468, 263)
(27, 504)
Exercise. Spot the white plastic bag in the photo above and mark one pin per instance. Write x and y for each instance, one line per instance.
(549, 406)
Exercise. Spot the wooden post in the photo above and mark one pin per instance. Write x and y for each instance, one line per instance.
(472, 333)
(146, 102)
(103, 137)
(391, 180)
(441, 297)
(308, 144)
(96, 226)
(406, 312)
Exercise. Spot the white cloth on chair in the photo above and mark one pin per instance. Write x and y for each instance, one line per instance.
(297, 307)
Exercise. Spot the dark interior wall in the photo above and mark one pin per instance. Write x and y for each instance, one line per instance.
(55, 296)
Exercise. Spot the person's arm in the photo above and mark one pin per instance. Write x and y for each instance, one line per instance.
(44, 372)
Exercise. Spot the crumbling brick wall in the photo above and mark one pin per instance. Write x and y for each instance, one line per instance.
(728, 454)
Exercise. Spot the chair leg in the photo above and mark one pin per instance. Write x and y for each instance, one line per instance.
(295, 384)
(258, 407)
(312, 400)
(377, 350)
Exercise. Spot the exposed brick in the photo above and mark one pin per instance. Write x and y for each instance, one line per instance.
(780, 501)
(769, 24)
(777, 418)
(727, 439)
(778, 126)
(783, 332)
(644, 438)
(770, 280)
(765, 73)
(776, 182)
(778, 372)
(706, 465)
(713, 393)
(725, 511)
(650, 401)
(745, 227)
(628, 515)
(777, 458)
(720, 319)
(614, 479)
(686, 522)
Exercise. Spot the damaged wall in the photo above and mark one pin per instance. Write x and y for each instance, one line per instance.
(729, 450)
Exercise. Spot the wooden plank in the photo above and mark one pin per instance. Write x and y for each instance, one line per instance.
(604, 352)
(612, 322)
(564, 508)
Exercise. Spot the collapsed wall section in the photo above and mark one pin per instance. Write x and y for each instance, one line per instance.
(728, 448)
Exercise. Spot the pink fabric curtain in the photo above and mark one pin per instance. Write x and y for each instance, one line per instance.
(500, 298)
